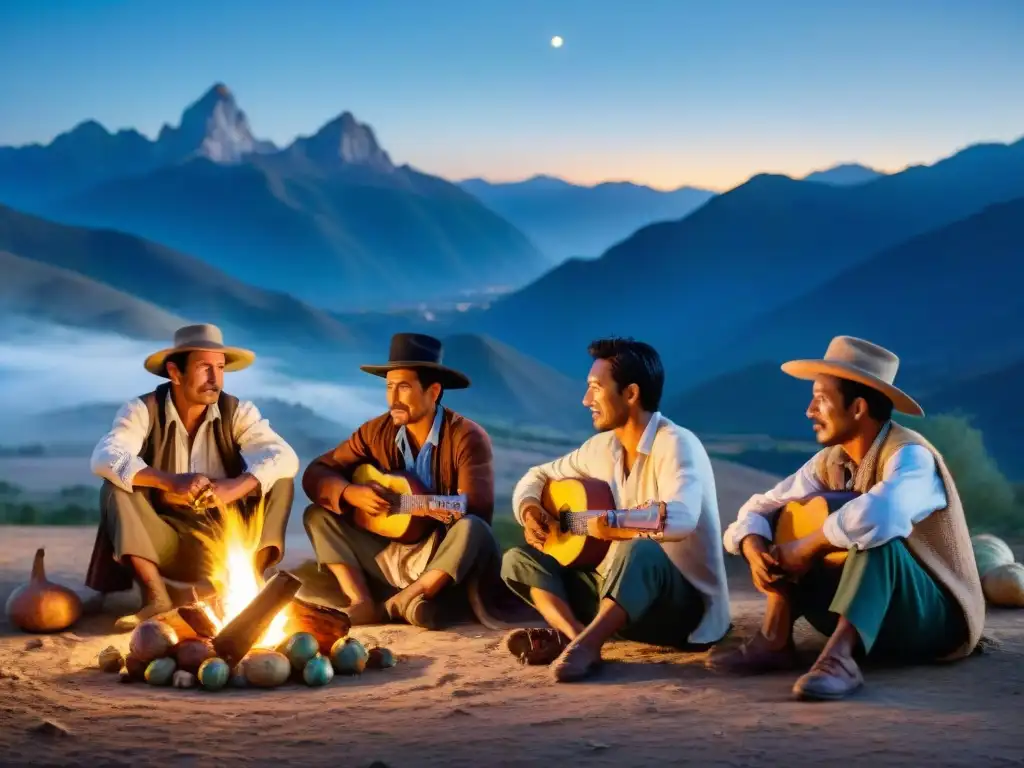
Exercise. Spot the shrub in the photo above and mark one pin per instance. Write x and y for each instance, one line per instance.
(990, 500)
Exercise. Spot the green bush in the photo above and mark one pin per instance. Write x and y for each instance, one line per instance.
(991, 503)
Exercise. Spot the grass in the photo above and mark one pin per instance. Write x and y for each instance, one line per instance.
(74, 505)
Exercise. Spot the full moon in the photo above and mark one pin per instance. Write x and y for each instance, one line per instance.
(556, 42)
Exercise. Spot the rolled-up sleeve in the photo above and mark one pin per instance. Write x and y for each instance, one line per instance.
(267, 456)
(680, 484)
(580, 463)
(911, 489)
(752, 518)
(116, 455)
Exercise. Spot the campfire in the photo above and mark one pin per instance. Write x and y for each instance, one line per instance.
(231, 545)
(247, 632)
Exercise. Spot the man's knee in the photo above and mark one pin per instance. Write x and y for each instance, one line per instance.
(314, 517)
(281, 492)
(473, 531)
(514, 561)
(116, 502)
(641, 553)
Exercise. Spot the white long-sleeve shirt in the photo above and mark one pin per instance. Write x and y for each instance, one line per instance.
(911, 489)
(671, 466)
(267, 456)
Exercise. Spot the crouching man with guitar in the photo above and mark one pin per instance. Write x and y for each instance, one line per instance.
(623, 533)
(402, 509)
(867, 540)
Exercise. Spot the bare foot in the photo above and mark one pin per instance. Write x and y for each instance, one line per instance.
(576, 662)
(366, 612)
(413, 609)
(151, 609)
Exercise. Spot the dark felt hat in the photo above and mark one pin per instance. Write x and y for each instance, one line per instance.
(417, 350)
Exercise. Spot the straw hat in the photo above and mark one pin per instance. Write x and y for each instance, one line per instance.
(851, 358)
(198, 338)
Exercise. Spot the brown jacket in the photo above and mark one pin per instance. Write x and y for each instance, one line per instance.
(463, 460)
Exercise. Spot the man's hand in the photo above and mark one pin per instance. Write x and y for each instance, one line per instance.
(597, 527)
(765, 570)
(373, 499)
(797, 557)
(537, 523)
(221, 493)
(183, 490)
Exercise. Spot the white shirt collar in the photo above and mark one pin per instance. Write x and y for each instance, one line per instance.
(646, 444)
(212, 411)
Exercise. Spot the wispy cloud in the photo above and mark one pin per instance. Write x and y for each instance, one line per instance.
(44, 367)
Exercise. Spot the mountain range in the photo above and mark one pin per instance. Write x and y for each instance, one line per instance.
(329, 218)
(567, 220)
(692, 287)
(306, 251)
(572, 220)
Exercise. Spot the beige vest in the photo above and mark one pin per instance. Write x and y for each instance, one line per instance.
(941, 542)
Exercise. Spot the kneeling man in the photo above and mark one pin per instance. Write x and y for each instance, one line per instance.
(380, 579)
(174, 454)
(909, 588)
(665, 588)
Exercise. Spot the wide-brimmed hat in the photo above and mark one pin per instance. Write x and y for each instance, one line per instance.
(419, 351)
(851, 358)
(200, 338)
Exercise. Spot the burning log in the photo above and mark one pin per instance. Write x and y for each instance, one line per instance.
(326, 624)
(241, 633)
(189, 621)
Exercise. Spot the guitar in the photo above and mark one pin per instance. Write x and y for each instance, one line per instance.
(572, 503)
(416, 513)
(801, 518)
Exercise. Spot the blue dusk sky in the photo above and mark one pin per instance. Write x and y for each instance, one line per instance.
(662, 92)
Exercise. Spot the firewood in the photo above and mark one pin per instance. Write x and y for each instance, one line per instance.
(188, 621)
(241, 633)
(326, 624)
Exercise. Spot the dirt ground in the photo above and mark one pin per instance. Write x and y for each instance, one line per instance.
(456, 699)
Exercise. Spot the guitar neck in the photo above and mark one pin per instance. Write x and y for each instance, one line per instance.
(643, 519)
(418, 504)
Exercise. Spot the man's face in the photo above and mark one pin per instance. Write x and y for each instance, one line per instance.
(407, 399)
(203, 378)
(833, 422)
(608, 407)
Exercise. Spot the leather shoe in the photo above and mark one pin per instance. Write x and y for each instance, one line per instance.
(831, 678)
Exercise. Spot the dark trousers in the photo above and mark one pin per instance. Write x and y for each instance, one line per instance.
(899, 611)
(662, 606)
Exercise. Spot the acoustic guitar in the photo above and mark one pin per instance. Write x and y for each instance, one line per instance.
(415, 514)
(574, 502)
(802, 518)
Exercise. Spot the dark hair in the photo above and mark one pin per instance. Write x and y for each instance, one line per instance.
(633, 362)
(879, 404)
(428, 377)
(180, 360)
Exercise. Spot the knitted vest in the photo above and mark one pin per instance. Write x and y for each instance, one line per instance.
(941, 542)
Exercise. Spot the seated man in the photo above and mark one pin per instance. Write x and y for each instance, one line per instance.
(909, 588)
(667, 589)
(381, 579)
(174, 453)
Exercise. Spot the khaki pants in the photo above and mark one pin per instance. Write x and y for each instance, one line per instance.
(166, 537)
(468, 547)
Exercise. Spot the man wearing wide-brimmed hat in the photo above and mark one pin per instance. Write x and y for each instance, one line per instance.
(171, 455)
(909, 588)
(380, 580)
